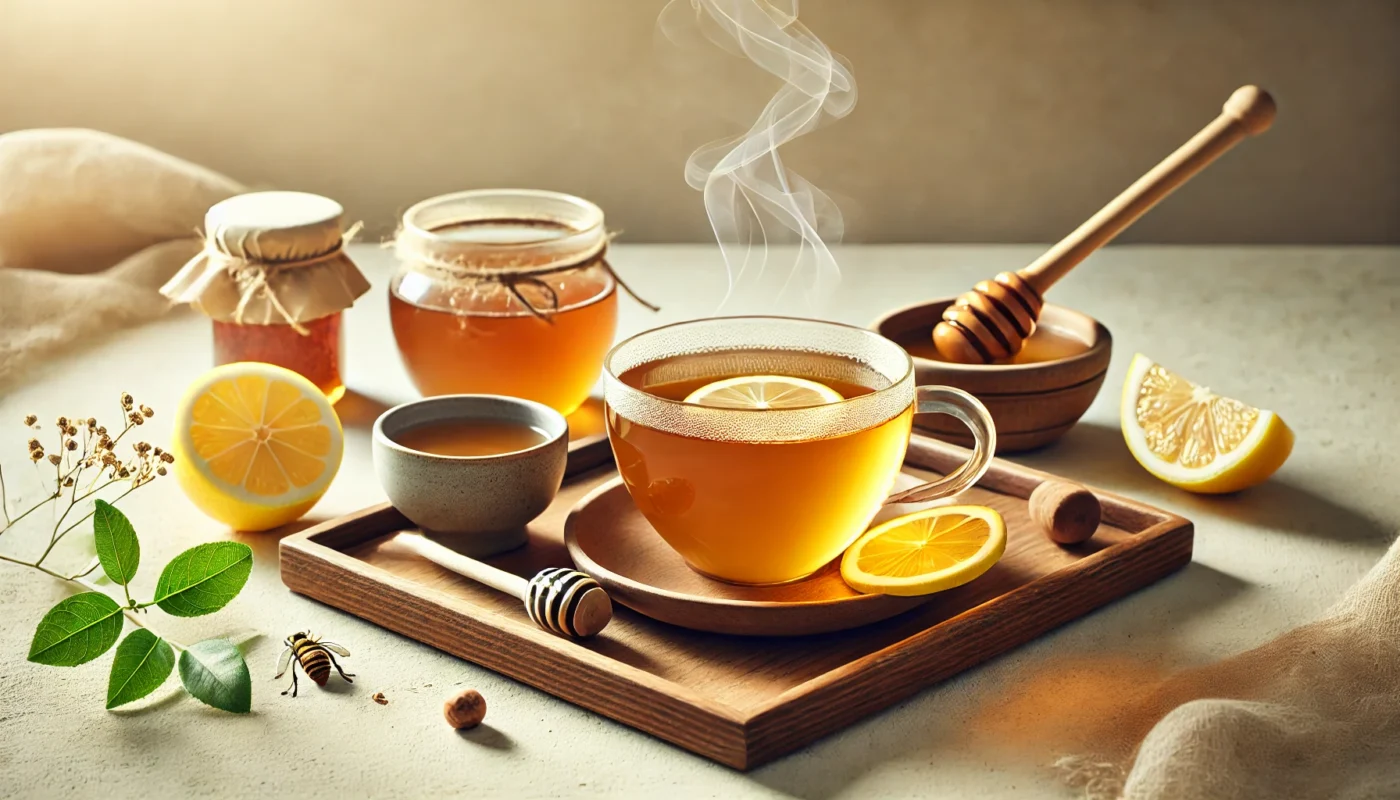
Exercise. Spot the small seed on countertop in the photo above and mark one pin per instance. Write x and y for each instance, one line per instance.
(466, 709)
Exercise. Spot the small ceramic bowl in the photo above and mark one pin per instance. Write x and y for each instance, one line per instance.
(487, 500)
(1034, 402)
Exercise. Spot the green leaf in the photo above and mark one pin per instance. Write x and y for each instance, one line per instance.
(204, 579)
(214, 672)
(117, 547)
(142, 664)
(77, 630)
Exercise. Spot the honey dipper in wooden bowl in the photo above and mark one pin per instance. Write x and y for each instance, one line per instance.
(992, 321)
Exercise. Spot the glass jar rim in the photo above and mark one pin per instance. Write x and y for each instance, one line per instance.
(421, 230)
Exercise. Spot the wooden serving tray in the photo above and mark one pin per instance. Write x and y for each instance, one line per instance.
(743, 701)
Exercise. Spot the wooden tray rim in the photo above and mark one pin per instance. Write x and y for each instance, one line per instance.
(1119, 511)
(744, 724)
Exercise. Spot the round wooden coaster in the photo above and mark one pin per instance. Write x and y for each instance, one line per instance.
(610, 540)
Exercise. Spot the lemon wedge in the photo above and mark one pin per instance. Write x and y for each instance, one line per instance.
(255, 445)
(764, 391)
(1195, 439)
(925, 552)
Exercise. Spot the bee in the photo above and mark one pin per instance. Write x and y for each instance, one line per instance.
(316, 658)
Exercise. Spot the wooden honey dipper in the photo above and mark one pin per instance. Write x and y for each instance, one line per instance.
(993, 320)
(562, 601)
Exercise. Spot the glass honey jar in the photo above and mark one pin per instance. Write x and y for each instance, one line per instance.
(275, 279)
(504, 291)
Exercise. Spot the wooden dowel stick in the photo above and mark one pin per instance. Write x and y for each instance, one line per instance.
(992, 321)
(449, 559)
(1249, 111)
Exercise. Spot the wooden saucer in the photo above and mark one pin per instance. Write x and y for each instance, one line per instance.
(610, 540)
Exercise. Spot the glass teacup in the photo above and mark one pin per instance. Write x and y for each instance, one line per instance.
(763, 495)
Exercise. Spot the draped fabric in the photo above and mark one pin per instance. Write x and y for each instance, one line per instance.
(91, 225)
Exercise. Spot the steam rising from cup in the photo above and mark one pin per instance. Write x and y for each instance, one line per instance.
(753, 200)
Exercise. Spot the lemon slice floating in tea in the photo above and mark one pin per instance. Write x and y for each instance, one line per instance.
(764, 391)
(255, 445)
(1195, 439)
(925, 552)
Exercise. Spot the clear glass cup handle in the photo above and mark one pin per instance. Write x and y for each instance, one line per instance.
(968, 409)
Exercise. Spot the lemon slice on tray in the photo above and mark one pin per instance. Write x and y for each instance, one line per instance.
(764, 391)
(255, 445)
(1195, 439)
(925, 552)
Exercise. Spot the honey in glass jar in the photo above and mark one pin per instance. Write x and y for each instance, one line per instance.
(504, 292)
(274, 278)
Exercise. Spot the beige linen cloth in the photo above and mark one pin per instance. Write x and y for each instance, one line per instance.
(1313, 714)
(91, 225)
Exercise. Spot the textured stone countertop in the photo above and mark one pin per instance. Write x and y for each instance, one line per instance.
(1312, 333)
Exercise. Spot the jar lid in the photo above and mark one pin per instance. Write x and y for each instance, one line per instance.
(275, 226)
(271, 258)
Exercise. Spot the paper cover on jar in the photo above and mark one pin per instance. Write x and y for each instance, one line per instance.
(271, 258)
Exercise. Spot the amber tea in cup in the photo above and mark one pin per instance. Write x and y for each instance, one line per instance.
(767, 485)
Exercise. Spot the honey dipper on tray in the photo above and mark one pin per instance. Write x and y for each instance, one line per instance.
(562, 601)
(992, 321)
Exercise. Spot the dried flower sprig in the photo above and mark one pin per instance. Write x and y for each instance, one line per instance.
(87, 461)
(85, 446)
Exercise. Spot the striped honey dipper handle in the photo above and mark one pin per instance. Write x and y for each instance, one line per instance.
(562, 601)
(993, 320)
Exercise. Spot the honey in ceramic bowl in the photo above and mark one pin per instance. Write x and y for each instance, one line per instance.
(471, 437)
(479, 467)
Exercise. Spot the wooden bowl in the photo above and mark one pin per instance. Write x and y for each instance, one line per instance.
(1035, 399)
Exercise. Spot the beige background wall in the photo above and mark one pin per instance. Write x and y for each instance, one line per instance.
(978, 120)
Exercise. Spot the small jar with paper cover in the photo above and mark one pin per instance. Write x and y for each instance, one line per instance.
(274, 277)
(505, 291)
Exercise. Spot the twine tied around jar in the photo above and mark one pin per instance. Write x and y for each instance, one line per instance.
(512, 276)
(234, 279)
(254, 276)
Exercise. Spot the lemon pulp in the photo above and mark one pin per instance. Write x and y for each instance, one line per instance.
(256, 445)
(1195, 439)
(764, 391)
(925, 552)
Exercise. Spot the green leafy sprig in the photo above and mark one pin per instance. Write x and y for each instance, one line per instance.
(199, 581)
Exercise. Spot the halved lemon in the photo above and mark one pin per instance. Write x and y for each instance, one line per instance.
(764, 391)
(925, 552)
(255, 445)
(1195, 439)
